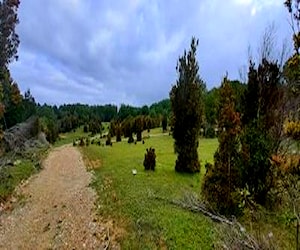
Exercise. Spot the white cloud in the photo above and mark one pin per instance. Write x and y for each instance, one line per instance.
(243, 2)
(255, 6)
(253, 11)
(126, 51)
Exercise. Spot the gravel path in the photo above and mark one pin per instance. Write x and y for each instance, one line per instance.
(59, 210)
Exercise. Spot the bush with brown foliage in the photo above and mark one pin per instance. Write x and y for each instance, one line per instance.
(150, 159)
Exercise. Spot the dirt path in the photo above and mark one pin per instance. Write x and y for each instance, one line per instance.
(59, 210)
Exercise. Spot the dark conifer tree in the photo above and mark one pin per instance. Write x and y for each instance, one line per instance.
(118, 129)
(262, 127)
(187, 107)
(138, 127)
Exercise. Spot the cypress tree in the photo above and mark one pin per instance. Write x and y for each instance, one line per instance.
(187, 107)
(262, 127)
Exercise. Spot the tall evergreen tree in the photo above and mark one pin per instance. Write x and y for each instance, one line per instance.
(262, 127)
(186, 99)
(222, 178)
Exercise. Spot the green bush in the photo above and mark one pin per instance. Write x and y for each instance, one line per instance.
(255, 167)
(217, 192)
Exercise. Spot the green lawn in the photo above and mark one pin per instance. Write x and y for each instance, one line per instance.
(11, 176)
(140, 203)
(67, 138)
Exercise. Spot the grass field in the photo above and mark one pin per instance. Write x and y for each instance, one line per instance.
(10, 177)
(140, 203)
(20, 169)
(67, 138)
(141, 206)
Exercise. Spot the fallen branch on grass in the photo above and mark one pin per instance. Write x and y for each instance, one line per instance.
(192, 203)
(231, 233)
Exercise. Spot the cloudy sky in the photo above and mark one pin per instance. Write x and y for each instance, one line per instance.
(125, 51)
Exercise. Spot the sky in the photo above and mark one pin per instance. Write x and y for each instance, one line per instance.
(126, 51)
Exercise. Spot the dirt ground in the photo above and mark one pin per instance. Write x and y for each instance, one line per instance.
(57, 209)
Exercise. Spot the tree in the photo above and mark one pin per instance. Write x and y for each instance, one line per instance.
(292, 66)
(164, 123)
(95, 126)
(145, 110)
(160, 108)
(9, 40)
(211, 106)
(293, 7)
(187, 106)
(221, 179)
(118, 129)
(138, 127)
(48, 122)
(28, 105)
(11, 100)
(262, 127)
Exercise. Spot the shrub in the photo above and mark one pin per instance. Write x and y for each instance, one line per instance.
(118, 132)
(130, 139)
(85, 129)
(292, 129)
(221, 179)
(87, 141)
(150, 159)
(255, 167)
(81, 143)
(118, 137)
(217, 192)
(108, 140)
(139, 136)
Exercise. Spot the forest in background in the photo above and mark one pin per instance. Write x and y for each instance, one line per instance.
(65, 118)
